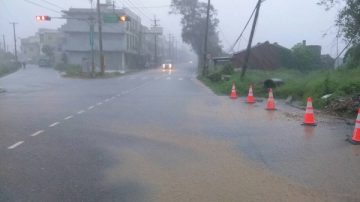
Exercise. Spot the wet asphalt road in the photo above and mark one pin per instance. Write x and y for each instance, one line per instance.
(156, 136)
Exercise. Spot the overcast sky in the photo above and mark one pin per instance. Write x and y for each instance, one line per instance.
(284, 21)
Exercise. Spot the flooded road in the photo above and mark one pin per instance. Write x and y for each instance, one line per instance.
(153, 136)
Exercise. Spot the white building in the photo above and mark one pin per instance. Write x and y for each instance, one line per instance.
(121, 40)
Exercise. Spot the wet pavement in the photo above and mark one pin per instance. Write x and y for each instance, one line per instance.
(156, 136)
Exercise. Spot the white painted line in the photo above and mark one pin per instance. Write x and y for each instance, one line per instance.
(91, 107)
(180, 79)
(69, 117)
(80, 112)
(37, 133)
(54, 124)
(100, 103)
(107, 100)
(118, 95)
(168, 78)
(15, 145)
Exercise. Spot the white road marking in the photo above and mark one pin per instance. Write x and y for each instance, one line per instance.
(81, 111)
(37, 133)
(69, 117)
(107, 100)
(91, 107)
(15, 145)
(54, 124)
(100, 103)
(180, 79)
(168, 78)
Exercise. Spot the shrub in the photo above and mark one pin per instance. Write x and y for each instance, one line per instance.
(228, 69)
(214, 77)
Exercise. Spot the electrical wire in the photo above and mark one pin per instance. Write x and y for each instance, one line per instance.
(53, 4)
(39, 5)
(7, 10)
(241, 34)
(139, 11)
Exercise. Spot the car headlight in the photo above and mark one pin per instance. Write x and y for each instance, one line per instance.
(170, 65)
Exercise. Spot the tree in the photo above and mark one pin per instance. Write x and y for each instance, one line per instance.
(348, 21)
(193, 23)
(304, 58)
(48, 51)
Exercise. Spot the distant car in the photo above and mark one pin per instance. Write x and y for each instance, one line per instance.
(44, 62)
(167, 65)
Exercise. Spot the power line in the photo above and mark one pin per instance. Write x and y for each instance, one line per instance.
(242, 32)
(53, 4)
(139, 2)
(39, 5)
(7, 10)
(139, 11)
(247, 55)
(151, 7)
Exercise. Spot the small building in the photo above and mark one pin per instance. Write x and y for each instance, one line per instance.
(266, 56)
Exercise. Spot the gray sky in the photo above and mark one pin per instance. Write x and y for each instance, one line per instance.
(284, 21)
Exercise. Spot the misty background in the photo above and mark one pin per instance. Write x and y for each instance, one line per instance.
(282, 21)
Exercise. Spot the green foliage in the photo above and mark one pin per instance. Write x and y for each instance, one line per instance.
(300, 85)
(347, 18)
(193, 22)
(8, 63)
(214, 77)
(228, 69)
(304, 59)
(48, 51)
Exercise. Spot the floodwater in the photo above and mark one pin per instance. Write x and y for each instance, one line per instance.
(225, 150)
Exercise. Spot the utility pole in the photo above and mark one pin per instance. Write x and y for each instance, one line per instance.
(4, 43)
(205, 67)
(156, 51)
(102, 65)
(16, 56)
(248, 50)
(92, 46)
(170, 54)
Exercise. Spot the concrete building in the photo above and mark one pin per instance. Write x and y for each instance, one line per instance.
(31, 47)
(121, 40)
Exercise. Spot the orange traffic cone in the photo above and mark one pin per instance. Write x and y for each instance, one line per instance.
(270, 102)
(233, 92)
(250, 98)
(356, 135)
(309, 118)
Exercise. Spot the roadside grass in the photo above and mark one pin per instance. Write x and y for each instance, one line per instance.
(299, 85)
(9, 68)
